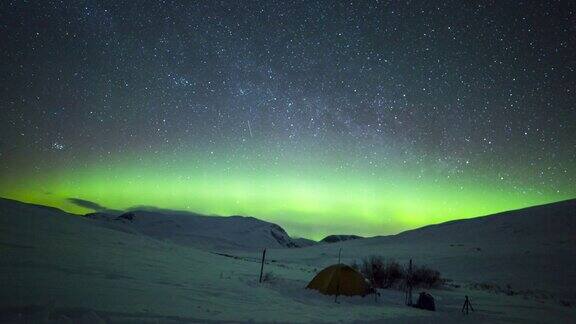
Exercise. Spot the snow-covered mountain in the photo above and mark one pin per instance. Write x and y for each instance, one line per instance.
(339, 238)
(207, 232)
(57, 267)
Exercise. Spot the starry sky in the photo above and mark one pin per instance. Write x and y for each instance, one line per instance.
(356, 117)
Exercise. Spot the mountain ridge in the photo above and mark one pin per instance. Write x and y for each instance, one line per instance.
(277, 237)
(212, 232)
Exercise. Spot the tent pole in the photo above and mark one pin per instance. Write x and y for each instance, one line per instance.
(262, 265)
(338, 285)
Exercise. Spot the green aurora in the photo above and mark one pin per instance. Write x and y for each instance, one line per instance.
(311, 199)
(325, 117)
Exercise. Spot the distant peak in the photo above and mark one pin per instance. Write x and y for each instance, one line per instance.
(340, 237)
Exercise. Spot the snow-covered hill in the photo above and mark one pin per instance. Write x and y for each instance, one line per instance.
(59, 268)
(339, 238)
(206, 232)
(530, 251)
(552, 224)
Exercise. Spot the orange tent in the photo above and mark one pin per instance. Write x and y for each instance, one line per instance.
(340, 279)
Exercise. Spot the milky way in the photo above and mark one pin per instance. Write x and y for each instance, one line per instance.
(324, 117)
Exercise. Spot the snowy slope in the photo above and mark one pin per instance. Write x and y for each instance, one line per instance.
(530, 251)
(207, 232)
(56, 266)
(552, 223)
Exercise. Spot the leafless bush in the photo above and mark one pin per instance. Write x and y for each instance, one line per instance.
(381, 273)
(389, 273)
(422, 276)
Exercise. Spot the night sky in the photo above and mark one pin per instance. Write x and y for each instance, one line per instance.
(363, 117)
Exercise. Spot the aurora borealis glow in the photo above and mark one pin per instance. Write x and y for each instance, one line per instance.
(324, 117)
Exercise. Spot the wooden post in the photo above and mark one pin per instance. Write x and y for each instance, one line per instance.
(339, 252)
(408, 300)
(262, 265)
